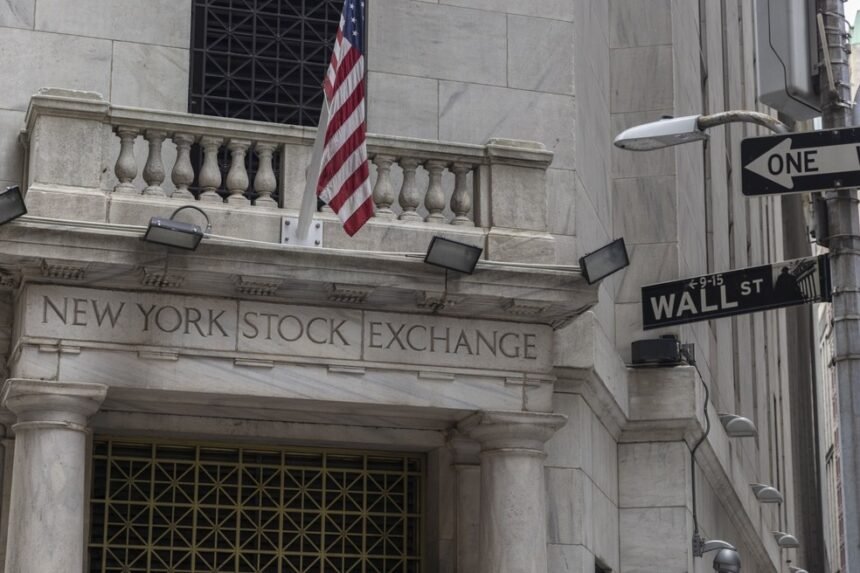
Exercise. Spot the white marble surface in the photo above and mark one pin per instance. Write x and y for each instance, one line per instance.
(403, 105)
(561, 190)
(474, 113)
(160, 22)
(569, 502)
(604, 461)
(540, 54)
(655, 535)
(641, 79)
(606, 536)
(654, 474)
(50, 160)
(593, 131)
(28, 61)
(11, 152)
(149, 76)
(220, 382)
(570, 446)
(513, 245)
(640, 23)
(592, 232)
(649, 264)
(17, 13)
(645, 209)
(405, 38)
(518, 200)
(554, 9)
(569, 559)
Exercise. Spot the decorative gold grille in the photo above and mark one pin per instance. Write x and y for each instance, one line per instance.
(192, 508)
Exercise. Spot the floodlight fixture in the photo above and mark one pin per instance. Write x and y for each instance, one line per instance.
(785, 540)
(738, 426)
(671, 131)
(766, 493)
(11, 204)
(453, 255)
(177, 233)
(604, 261)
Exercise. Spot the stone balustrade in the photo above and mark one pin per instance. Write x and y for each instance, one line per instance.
(96, 155)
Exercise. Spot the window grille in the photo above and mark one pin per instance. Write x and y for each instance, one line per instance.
(161, 507)
(262, 60)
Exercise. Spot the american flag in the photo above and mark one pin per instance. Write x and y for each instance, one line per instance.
(344, 181)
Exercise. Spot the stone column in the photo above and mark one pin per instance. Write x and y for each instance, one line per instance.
(513, 497)
(47, 504)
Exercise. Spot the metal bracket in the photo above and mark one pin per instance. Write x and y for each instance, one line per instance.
(289, 225)
(825, 50)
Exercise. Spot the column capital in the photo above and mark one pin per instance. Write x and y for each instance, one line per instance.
(39, 400)
(497, 430)
(465, 450)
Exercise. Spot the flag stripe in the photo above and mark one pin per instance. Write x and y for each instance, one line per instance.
(347, 179)
(344, 176)
(359, 217)
(336, 186)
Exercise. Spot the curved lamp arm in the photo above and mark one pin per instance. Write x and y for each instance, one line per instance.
(744, 116)
(671, 131)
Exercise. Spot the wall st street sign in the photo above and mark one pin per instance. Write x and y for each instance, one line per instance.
(799, 162)
(740, 291)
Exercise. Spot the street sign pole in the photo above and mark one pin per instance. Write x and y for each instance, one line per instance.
(843, 240)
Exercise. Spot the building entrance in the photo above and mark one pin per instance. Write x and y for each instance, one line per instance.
(170, 507)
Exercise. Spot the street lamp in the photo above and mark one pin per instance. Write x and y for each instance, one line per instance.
(671, 131)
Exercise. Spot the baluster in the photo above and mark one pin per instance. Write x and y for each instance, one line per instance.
(434, 200)
(183, 173)
(153, 171)
(237, 177)
(264, 181)
(409, 196)
(461, 199)
(126, 164)
(383, 194)
(210, 176)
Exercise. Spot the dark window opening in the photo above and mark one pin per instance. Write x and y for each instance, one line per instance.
(260, 60)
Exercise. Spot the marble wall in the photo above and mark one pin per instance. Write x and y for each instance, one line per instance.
(133, 53)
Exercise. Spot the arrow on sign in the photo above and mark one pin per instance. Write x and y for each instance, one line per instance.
(782, 163)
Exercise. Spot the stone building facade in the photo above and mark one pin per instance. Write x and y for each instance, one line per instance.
(251, 406)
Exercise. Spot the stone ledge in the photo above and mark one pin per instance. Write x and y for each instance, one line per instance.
(112, 256)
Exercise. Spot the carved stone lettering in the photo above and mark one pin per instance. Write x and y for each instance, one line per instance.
(176, 322)
(299, 331)
(434, 340)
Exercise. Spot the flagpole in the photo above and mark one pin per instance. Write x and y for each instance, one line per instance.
(309, 198)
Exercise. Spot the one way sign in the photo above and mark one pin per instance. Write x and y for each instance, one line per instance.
(799, 162)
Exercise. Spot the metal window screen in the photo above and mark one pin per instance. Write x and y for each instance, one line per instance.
(262, 60)
(160, 507)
